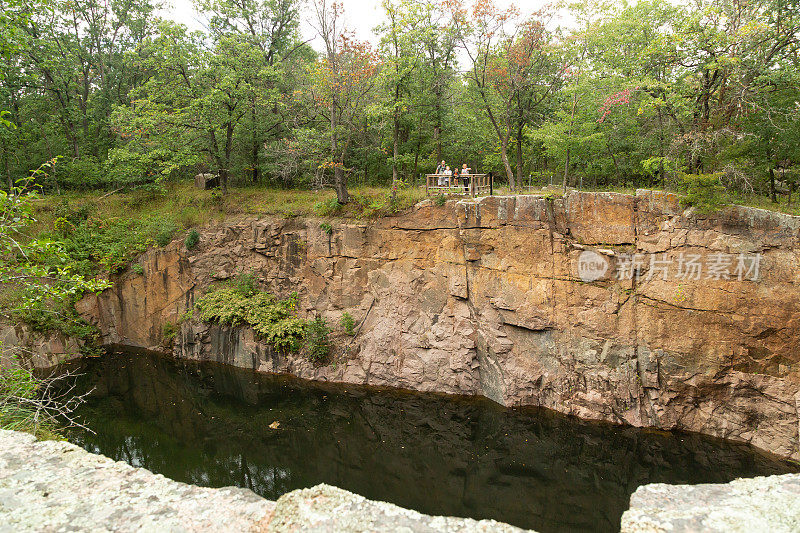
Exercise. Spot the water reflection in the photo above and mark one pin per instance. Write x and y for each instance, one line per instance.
(210, 425)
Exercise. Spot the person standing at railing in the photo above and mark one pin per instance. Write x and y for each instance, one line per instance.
(440, 168)
(445, 178)
(465, 176)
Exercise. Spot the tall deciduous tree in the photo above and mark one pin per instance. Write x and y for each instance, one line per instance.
(342, 83)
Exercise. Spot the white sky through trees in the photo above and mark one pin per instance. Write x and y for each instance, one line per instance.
(361, 16)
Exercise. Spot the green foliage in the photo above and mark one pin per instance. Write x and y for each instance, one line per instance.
(81, 174)
(329, 207)
(139, 269)
(326, 227)
(239, 303)
(318, 346)
(165, 231)
(627, 96)
(348, 324)
(62, 226)
(32, 404)
(169, 330)
(37, 277)
(245, 284)
(72, 215)
(192, 239)
(440, 200)
(48, 314)
(703, 191)
(112, 243)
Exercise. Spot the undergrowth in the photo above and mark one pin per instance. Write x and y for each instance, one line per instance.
(107, 244)
(240, 302)
(33, 404)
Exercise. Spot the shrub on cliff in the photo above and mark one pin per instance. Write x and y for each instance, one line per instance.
(318, 346)
(703, 192)
(348, 323)
(327, 208)
(192, 239)
(240, 304)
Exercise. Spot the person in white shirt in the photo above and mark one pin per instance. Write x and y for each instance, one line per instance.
(440, 171)
(465, 177)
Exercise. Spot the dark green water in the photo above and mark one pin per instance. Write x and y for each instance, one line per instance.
(209, 425)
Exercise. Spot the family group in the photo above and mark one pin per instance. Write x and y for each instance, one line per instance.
(448, 177)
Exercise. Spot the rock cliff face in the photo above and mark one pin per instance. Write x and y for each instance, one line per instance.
(489, 297)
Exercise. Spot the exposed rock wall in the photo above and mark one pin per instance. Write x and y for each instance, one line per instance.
(484, 298)
(18, 342)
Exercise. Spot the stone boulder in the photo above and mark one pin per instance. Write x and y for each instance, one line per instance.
(744, 505)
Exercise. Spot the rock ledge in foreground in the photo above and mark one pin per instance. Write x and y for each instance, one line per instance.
(744, 505)
(327, 509)
(57, 486)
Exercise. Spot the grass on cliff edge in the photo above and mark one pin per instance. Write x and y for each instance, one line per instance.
(187, 206)
(103, 233)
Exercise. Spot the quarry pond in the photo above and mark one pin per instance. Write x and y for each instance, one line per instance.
(214, 425)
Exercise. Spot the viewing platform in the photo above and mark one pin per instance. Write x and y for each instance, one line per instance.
(467, 184)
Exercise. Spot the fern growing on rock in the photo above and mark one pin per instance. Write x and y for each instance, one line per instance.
(241, 304)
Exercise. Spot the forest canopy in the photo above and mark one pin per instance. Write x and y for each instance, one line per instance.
(649, 93)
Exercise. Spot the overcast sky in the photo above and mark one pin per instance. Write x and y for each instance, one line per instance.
(360, 15)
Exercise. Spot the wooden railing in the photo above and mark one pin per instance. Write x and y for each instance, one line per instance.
(471, 184)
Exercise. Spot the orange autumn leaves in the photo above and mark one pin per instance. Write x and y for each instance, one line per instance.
(347, 74)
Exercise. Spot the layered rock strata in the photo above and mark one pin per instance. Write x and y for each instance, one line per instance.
(493, 297)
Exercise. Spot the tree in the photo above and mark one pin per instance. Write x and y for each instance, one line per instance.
(342, 84)
(400, 44)
(271, 26)
(511, 71)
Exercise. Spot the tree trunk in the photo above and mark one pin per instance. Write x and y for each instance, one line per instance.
(569, 134)
(223, 179)
(772, 195)
(396, 134)
(437, 128)
(416, 153)
(228, 149)
(614, 160)
(520, 127)
(340, 185)
(509, 172)
(255, 147)
(7, 168)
